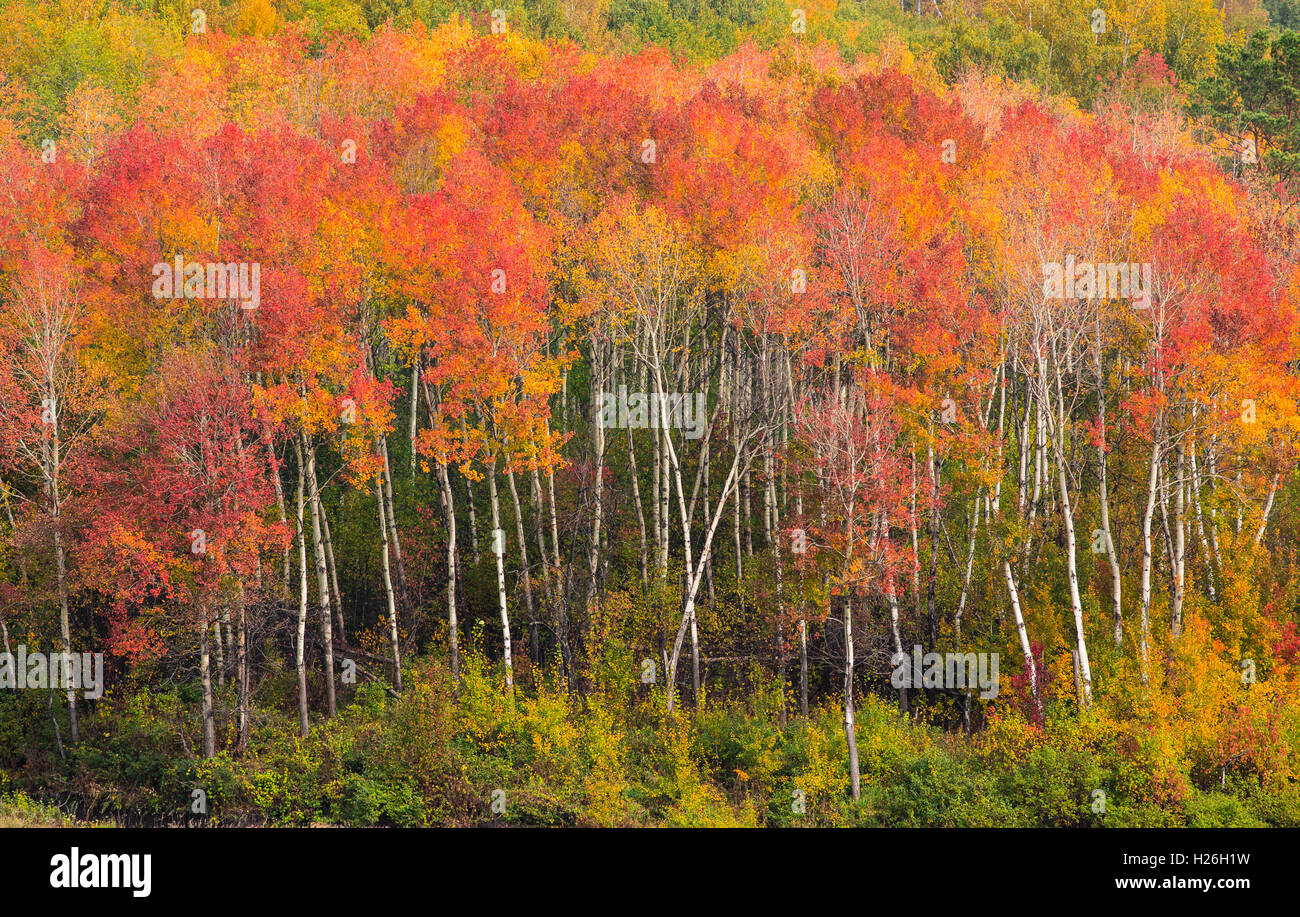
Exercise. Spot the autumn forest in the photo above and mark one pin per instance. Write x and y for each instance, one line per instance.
(621, 413)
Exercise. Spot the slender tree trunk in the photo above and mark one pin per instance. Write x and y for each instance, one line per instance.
(968, 570)
(414, 422)
(598, 472)
(696, 686)
(1180, 545)
(803, 668)
(523, 560)
(322, 579)
(336, 594)
(4, 632)
(780, 628)
(245, 700)
(932, 616)
(735, 520)
(1268, 509)
(904, 704)
(473, 520)
(385, 566)
(65, 629)
(1067, 518)
(220, 653)
(1103, 498)
(279, 496)
(914, 531)
(850, 731)
(561, 586)
(539, 515)
(50, 462)
(1147, 515)
(993, 504)
(1039, 469)
(1072, 571)
(498, 549)
(1023, 477)
(1031, 668)
(335, 606)
(1210, 558)
(769, 495)
(636, 501)
(302, 600)
(1213, 527)
(1240, 501)
(205, 670)
(747, 499)
(453, 628)
(665, 494)
(734, 409)
(695, 572)
(394, 537)
(657, 480)
(708, 501)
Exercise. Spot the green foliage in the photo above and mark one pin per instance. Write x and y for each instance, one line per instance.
(18, 810)
(1215, 810)
(996, 44)
(1255, 96)
(431, 757)
(1283, 14)
(365, 802)
(1278, 806)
